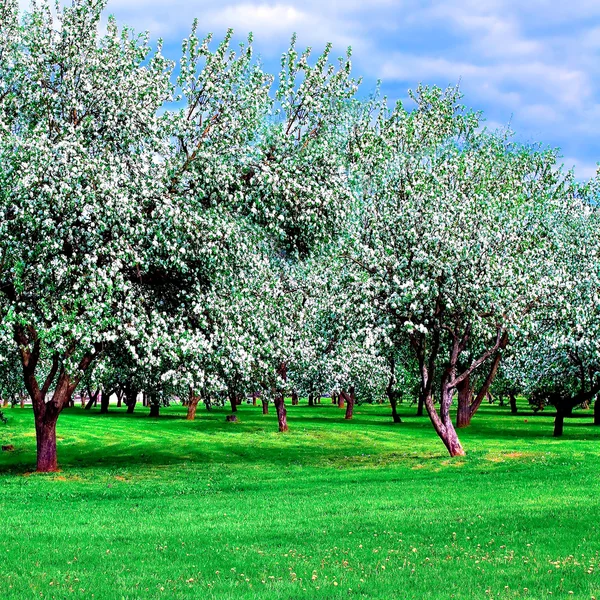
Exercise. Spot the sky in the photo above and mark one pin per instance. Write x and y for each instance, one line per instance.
(533, 64)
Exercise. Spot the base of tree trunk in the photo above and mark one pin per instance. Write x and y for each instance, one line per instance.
(281, 414)
(513, 404)
(154, 410)
(597, 412)
(192, 406)
(265, 407)
(559, 424)
(46, 447)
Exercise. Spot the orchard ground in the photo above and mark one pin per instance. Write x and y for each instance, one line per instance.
(167, 508)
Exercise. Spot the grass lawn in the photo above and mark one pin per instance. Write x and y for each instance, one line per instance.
(165, 508)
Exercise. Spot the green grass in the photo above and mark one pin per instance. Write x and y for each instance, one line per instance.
(165, 508)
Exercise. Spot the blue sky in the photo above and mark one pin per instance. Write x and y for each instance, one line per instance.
(533, 63)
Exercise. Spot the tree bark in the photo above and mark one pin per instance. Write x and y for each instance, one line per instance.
(104, 402)
(597, 411)
(93, 399)
(295, 398)
(233, 402)
(513, 403)
(420, 406)
(311, 400)
(341, 400)
(131, 396)
(334, 399)
(154, 409)
(349, 403)
(265, 406)
(193, 401)
(465, 396)
(119, 398)
(281, 413)
(559, 423)
(45, 429)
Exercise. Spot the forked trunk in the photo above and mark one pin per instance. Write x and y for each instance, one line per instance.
(193, 401)
(442, 423)
(281, 413)
(119, 398)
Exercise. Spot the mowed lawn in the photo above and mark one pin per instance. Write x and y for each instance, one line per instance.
(166, 508)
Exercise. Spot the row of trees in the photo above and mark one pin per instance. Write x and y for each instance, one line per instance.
(205, 228)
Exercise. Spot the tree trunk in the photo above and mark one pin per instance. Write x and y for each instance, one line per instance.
(119, 398)
(311, 400)
(22, 401)
(513, 403)
(233, 402)
(104, 401)
(442, 423)
(349, 403)
(45, 429)
(420, 406)
(131, 401)
(393, 402)
(154, 409)
(597, 411)
(334, 399)
(559, 423)
(465, 395)
(92, 400)
(265, 406)
(295, 398)
(192, 406)
(253, 399)
(281, 413)
(341, 400)
(144, 399)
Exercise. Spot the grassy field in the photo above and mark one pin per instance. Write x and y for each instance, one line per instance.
(165, 508)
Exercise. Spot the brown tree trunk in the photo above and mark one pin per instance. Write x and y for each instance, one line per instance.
(144, 399)
(597, 411)
(22, 401)
(341, 400)
(45, 429)
(295, 398)
(513, 403)
(559, 423)
(192, 406)
(265, 406)
(119, 398)
(465, 395)
(349, 403)
(104, 402)
(253, 399)
(281, 413)
(334, 399)
(233, 402)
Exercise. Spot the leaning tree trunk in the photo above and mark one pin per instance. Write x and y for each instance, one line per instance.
(349, 403)
(442, 423)
(513, 403)
(265, 406)
(193, 401)
(393, 403)
(93, 399)
(281, 413)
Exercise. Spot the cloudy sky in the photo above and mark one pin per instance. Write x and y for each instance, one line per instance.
(533, 63)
